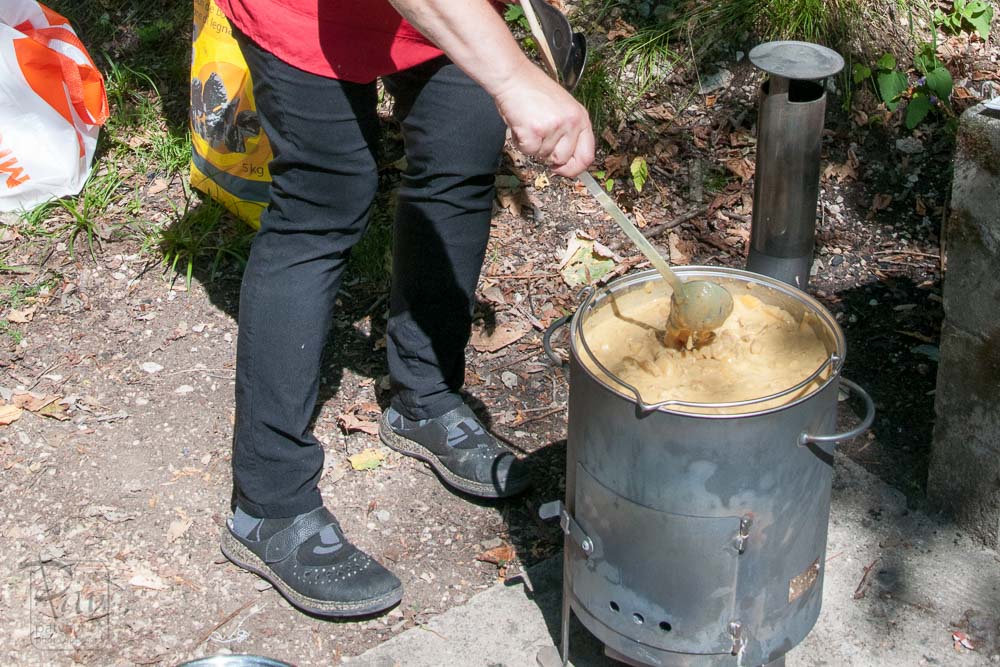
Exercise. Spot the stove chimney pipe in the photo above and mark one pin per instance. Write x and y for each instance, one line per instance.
(789, 143)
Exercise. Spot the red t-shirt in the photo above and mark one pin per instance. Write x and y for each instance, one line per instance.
(353, 40)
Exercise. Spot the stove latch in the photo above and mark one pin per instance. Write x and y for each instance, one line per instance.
(555, 508)
(741, 538)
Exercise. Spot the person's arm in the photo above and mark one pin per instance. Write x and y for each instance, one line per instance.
(545, 121)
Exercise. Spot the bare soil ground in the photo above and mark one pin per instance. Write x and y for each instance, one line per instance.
(125, 473)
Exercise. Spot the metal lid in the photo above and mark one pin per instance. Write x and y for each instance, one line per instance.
(797, 60)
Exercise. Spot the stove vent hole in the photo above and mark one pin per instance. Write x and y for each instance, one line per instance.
(614, 606)
(639, 620)
(666, 627)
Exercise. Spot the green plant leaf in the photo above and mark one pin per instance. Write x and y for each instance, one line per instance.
(917, 110)
(980, 18)
(640, 173)
(890, 86)
(886, 62)
(925, 59)
(861, 72)
(939, 82)
(513, 13)
(609, 184)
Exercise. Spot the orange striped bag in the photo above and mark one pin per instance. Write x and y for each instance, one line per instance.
(52, 104)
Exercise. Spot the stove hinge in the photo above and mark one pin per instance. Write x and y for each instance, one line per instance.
(739, 640)
(570, 527)
(744, 533)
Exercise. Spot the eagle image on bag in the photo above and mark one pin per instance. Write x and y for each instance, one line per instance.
(229, 151)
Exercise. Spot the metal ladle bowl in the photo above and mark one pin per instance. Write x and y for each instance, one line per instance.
(699, 306)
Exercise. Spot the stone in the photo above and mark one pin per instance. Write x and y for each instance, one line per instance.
(964, 478)
(717, 81)
(909, 145)
(509, 379)
(964, 475)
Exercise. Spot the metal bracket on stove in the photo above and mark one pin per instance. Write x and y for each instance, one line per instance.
(741, 538)
(555, 508)
(739, 641)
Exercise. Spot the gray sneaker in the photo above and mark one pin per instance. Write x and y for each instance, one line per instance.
(459, 449)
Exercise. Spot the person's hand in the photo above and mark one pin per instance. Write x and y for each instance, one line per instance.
(546, 122)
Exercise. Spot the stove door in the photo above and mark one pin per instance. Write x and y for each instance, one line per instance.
(665, 580)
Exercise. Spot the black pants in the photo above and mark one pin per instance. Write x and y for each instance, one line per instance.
(324, 179)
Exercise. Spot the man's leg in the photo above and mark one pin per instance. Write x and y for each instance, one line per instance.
(324, 178)
(453, 136)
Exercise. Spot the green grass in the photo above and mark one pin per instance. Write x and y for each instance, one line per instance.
(14, 297)
(98, 195)
(201, 232)
(690, 31)
(598, 92)
(716, 179)
(371, 258)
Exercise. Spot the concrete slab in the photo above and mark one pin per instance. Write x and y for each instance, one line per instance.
(926, 579)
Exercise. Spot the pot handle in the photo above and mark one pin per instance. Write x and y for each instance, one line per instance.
(865, 424)
(547, 340)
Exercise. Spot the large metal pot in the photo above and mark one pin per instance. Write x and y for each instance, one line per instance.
(698, 539)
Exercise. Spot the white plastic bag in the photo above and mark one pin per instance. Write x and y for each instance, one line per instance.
(52, 104)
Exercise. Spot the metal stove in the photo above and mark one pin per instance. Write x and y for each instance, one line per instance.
(693, 540)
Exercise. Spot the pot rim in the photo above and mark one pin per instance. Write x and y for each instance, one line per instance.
(835, 362)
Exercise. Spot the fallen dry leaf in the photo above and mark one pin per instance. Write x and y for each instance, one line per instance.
(362, 417)
(741, 167)
(33, 402)
(610, 138)
(499, 556)
(157, 186)
(178, 527)
(21, 316)
(501, 336)
(368, 459)
(677, 256)
(494, 294)
(881, 201)
(962, 640)
(541, 181)
(148, 580)
(615, 164)
(620, 31)
(55, 410)
(660, 112)
(514, 201)
(9, 414)
(334, 473)
(585, 260)
(841, 172)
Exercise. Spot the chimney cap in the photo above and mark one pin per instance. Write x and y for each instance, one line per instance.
(797, 60)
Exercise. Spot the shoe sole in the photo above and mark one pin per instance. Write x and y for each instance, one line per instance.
(242, 556)
(408, 447)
